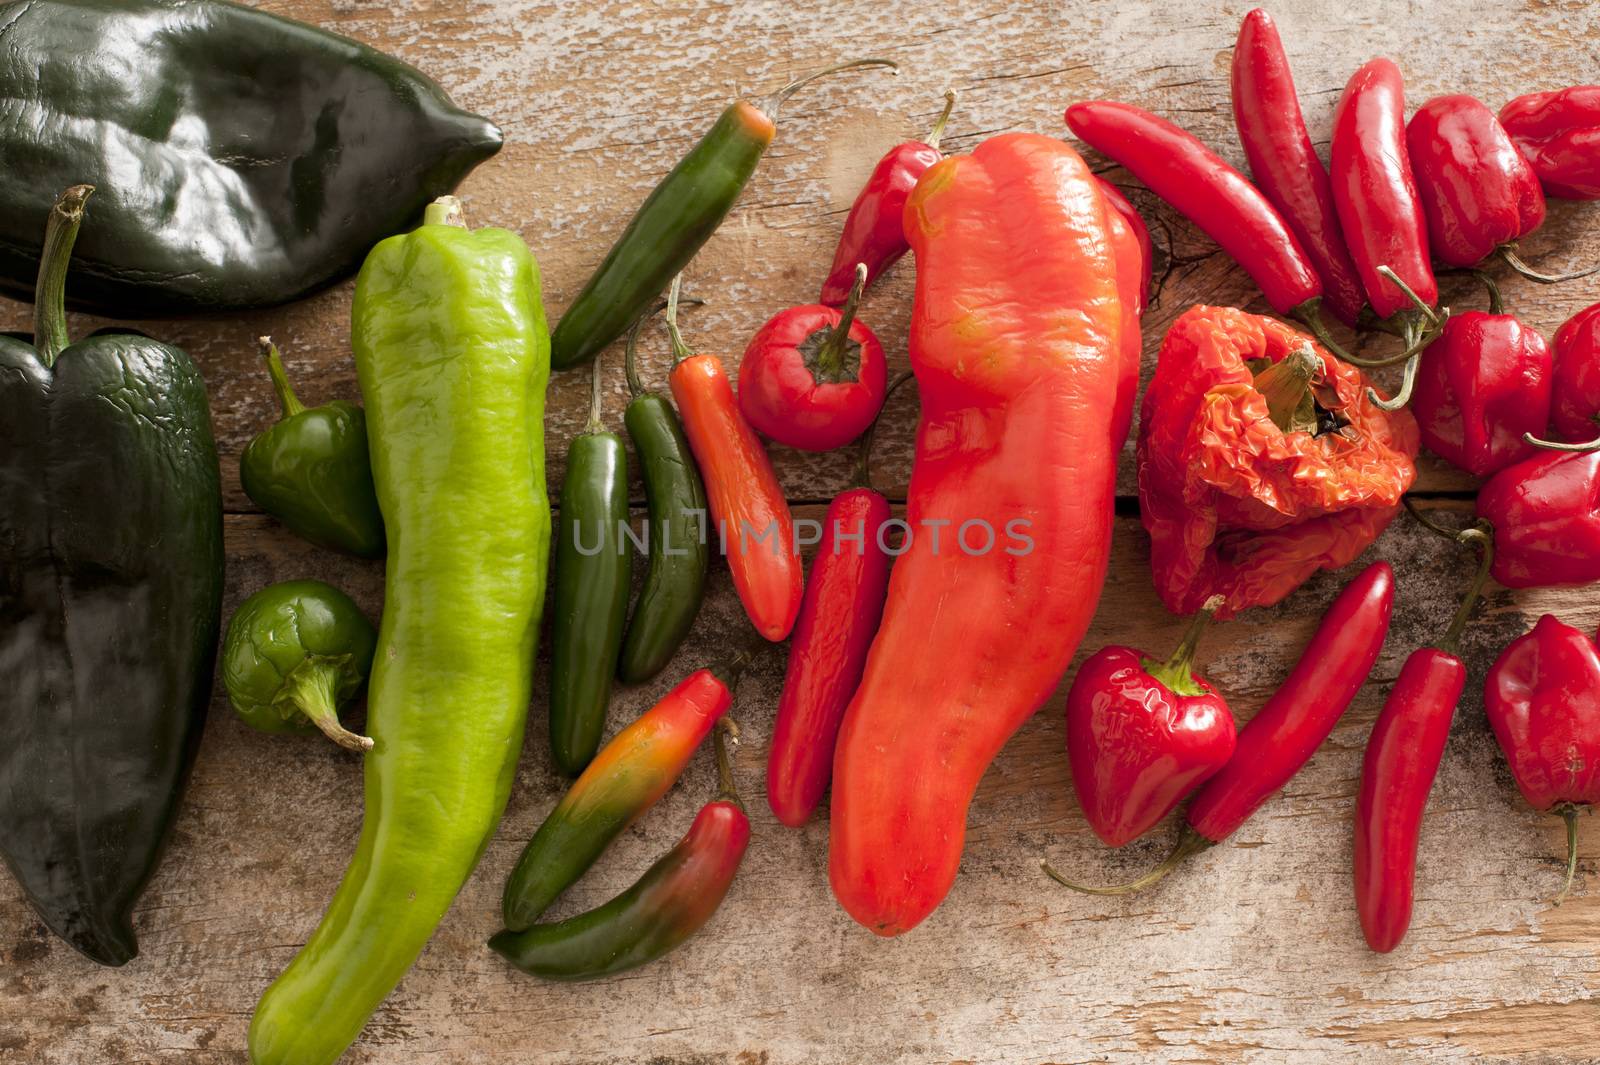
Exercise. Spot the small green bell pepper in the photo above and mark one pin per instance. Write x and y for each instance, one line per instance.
(311, 471)
(295, 653)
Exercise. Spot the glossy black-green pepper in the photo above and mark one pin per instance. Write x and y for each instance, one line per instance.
(110, 599)
(294, 654)
(594, 568)
(311, 470)
(676, 524)
(242, 159)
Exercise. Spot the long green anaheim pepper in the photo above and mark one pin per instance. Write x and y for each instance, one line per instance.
(452, 357)
(594, 570)
(679, 552)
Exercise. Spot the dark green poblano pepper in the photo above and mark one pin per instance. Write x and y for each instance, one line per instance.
(296, 652)
(311, 470)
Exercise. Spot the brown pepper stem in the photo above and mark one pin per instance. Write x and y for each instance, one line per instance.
(1562, 445)
(1481, 536)
(1286, 383)
(1508, 252)
(727, 732)
(1568, 812)
(1189, 843)
(944, 116)
(50, 337)
(771, 103)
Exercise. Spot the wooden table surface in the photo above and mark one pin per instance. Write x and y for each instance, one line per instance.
(1251, 954)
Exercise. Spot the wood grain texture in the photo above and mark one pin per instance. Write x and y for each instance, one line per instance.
(1252, 954)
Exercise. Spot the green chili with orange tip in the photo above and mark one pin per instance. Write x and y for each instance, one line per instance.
(625, 779)
(671, 902)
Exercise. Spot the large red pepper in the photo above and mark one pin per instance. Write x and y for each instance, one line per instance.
(1285, 167)
(874, 233)
(1575, 388)
(1543, 700)
(1546, 516)
(1402, 759)
(1015, 340)
(1142, 734)
(1275, 744)
(1481, 387)
(747, 504)
(1559, 132)
(1261, 461)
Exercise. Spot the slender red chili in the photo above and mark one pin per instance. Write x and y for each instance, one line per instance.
(873, 231)
(751, 515)
(1285, 167)
(1402, 759)
(1275, 744)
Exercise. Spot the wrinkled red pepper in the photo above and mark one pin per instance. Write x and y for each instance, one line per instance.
(1543, 700)
(1546, 516)
(1235, 503)
(1559, 132)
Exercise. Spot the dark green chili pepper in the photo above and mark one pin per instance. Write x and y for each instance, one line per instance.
(673, 223)
(311, 471)
(594, 567)
(671, 902)
(294, 653)
(675, 530)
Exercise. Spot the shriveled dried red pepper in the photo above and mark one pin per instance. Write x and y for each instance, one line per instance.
(1546, 516)
(1542, 696)
(1481, 387)
(1559, 132)
(1261, 460)
(1575, 385)
(874, 233)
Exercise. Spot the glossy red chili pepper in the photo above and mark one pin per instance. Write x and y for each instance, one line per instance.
(1546, 516)
(1575, 389)
(1285, 167)
(751, 515)
(1376, 196)
(1140, 233)
(1142, 734)
(1542, 696)
(1559, 132)
(1481, 387)
(1275, 744)
(813, 377)
(1402, 759)
(873, 231)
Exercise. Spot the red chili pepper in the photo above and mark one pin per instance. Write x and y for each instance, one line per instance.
(746, 501)
(1481, 387)
(1559, 132)
(1546, 516)
(1575, 389)
(1401, 762)
(813, 376)
(873, 231)
(1543, 699)
(1142, 734)
(1130, 239)
(1275, 744)
(1376, 197)
(1140, 233)
(1285, 167)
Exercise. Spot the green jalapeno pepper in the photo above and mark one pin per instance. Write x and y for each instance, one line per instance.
(625, 779)
(294, 653)
(675, 530)
(311, 470)
(674, 221)
(594, 567)
(452, 356)
(671, 902)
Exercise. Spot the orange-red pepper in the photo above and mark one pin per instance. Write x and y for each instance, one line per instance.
(1017, 347)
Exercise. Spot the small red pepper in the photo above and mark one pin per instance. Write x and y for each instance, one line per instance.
(813, 376)
(1543, 700)
(873, 231)
(1142, 734)
(1285, 167)
(1559, 132)
(753, 522)
(1275, 744)
(1481, 386)
(1575, 402)
(1402, 759)
(1546, 516)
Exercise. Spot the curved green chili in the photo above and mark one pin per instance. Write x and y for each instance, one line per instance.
(594, 569)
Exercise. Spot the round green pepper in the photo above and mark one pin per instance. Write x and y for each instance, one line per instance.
(295, 653)
(311, 471)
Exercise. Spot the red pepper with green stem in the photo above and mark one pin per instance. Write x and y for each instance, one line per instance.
(1546, 516)
(1559, 132)
(1142, 734)
(747, 504)
(1272, 130)
(1575, 389)
(1402, 759)
(1542, 696)
(874, 233)
(1275, 744)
